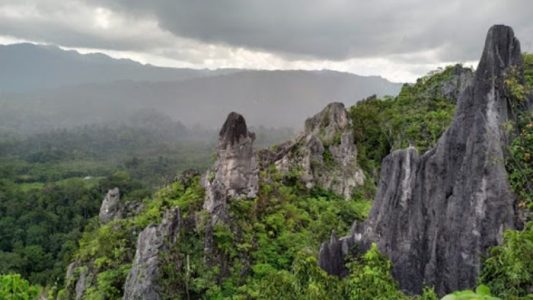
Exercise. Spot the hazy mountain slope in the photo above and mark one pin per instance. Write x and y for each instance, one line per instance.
(271, 98)
(25, 67)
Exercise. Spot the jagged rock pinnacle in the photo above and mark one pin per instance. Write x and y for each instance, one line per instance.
(233, 129)
(436, 214)
(235, 172)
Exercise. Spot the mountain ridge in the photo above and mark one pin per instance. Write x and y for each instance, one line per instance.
(39, 62)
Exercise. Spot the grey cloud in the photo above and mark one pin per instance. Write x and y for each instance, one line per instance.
(451, 30)
(72, 24)
(338, 29)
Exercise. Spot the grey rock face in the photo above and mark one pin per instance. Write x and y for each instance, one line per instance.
(452, 88)
(77, 279)
(436, 214)
(141, 282)
(235, 172)
(81, 284)
(110, 208)
(324, 155)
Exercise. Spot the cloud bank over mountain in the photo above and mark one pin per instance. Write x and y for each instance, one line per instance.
(398, 40)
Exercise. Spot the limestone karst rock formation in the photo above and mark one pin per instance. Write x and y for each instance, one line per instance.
(233, 177)
(142, 281)
(113, 208)
(78, 278)
(324, 155)
(454, 86)
(110, 206)
(235, 172)
(437, 213)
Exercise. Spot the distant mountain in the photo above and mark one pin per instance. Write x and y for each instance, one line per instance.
(47, 87)
(26, 67)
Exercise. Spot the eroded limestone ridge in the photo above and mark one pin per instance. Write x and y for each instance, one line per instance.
(324, 155)
(436, 214)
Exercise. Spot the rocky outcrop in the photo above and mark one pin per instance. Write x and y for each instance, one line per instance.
(234, 177)
(187, 177)
(436, 214)
(235, 172)
(141, 282)
(110, 208)
(76, 280)
(324, 155)
(113, 208)
(452, 87)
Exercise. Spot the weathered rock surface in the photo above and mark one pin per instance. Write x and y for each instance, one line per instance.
(113, 208)
(110, 208)
(437, 213)
(324, 155)
(234, 177)
(77, 279)
(454, 86)
(235, 172)
(141, 282)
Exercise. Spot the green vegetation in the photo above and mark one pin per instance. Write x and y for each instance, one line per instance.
(417, 116)
(509, 268)
(482, 293)
(528, 68)
(13, 287)
(52, 185)
(267, 235)
(520, 163)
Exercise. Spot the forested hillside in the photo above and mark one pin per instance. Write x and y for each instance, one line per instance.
(268, 248)
(266, 214)
(52, 183)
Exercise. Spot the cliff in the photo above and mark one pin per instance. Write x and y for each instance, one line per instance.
(436, 214)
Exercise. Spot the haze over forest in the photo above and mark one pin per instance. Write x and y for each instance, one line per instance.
(58, 88)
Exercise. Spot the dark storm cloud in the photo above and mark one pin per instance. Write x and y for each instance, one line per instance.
(410, 36)
(339, 29)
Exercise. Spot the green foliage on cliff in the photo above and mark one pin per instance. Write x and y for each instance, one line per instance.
(370, 278)
(270, 242)
(520, 163)
(528, 68)
(417, 116)
(509, 268)
(106, 251)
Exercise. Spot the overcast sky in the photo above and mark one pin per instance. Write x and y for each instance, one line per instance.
(399, 40)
